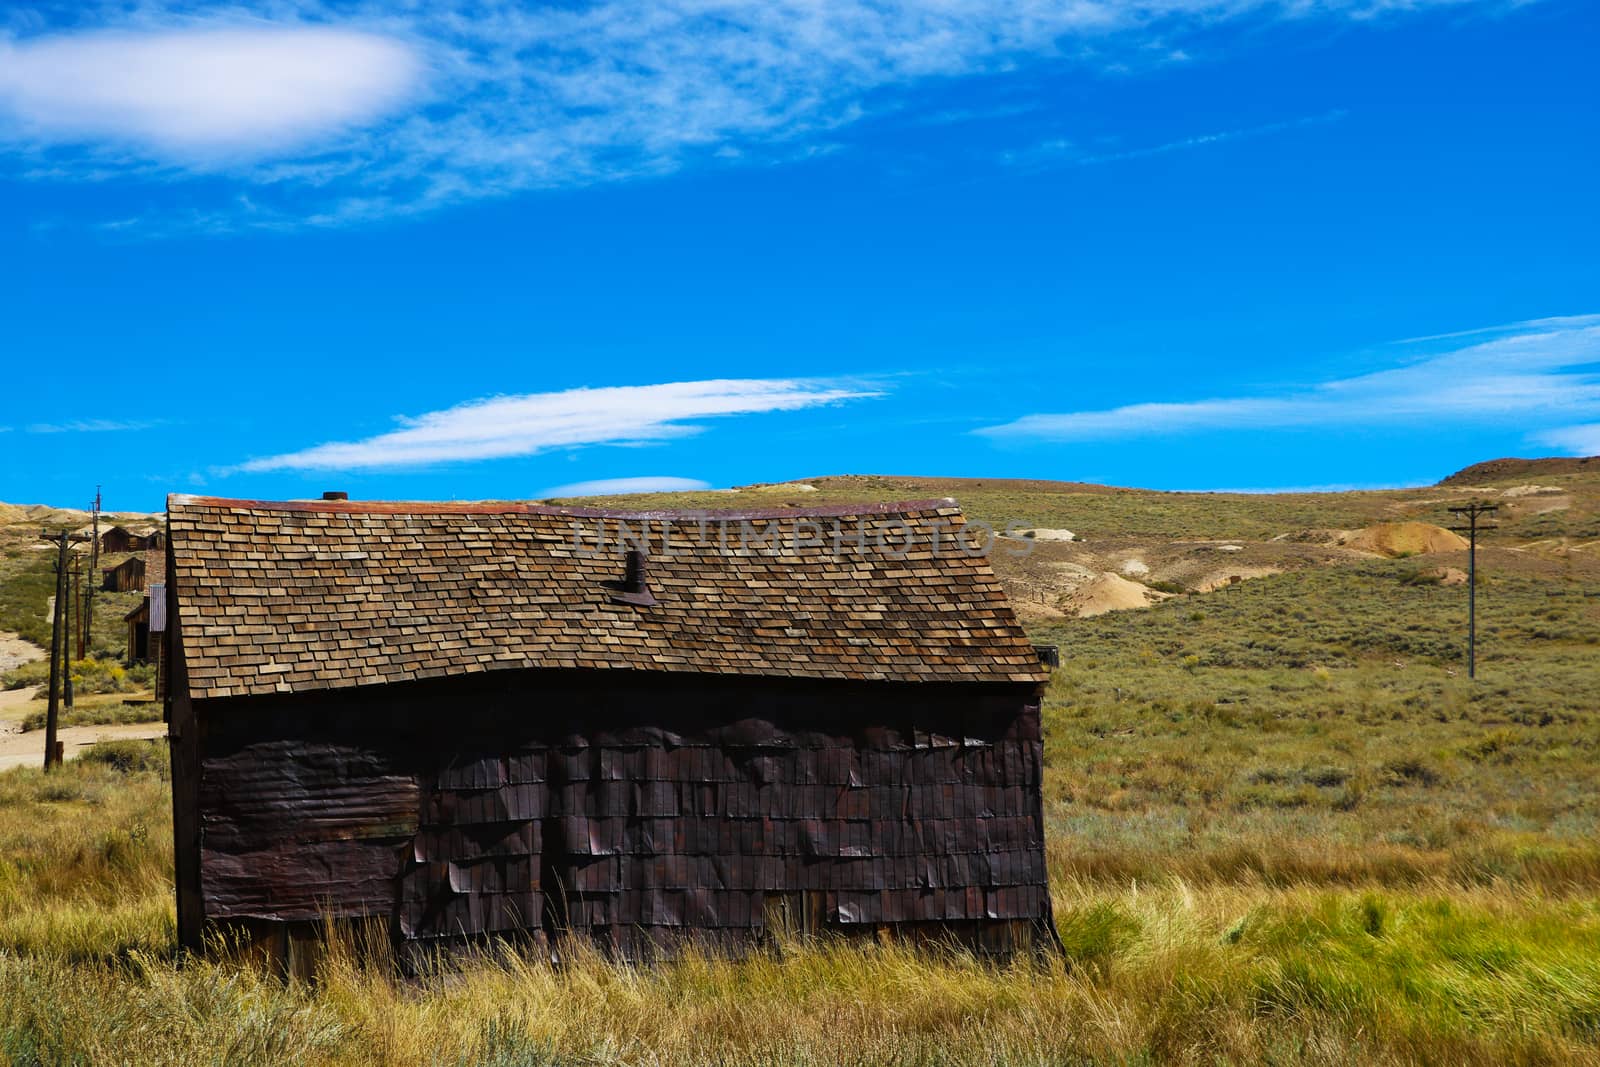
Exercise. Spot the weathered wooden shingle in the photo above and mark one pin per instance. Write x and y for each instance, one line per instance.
(289, 597)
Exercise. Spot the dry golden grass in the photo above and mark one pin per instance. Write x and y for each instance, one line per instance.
(1167, 974)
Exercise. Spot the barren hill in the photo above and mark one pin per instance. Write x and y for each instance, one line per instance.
(1135, 547)
(1499, 470)
(1195, 543)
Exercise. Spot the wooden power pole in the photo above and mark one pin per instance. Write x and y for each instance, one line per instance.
(94, 571)
(65, 615)
(1473, 512)
(52, 712)
(60, 644)
(80, 595)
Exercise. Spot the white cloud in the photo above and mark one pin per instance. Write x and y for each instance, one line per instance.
(193, 95)
(1535, 372)
(1573, 440)
(625, 486)
(524, 425)
(522, 96)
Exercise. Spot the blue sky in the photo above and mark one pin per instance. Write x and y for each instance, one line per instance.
(502, 250)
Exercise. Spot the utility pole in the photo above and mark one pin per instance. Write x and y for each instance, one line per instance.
(94, 569)
(80, 595)
(60, 644)
(64, 608)
(1473, 512)
(56, 636)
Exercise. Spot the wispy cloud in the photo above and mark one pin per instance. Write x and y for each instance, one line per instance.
(1539, 372)
(1573, 440)
(89, 426)
(625, 486)
(524, 425)
(1059, 152)
(334, 112)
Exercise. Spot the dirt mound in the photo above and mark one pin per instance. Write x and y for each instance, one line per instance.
(1110, 592)
(1233, 576)
(1496, 470)
(1405, 539)
(1043, 533)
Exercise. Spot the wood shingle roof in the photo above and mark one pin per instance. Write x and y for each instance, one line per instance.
(286, 597)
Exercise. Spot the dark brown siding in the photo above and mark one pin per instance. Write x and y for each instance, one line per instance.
(125, 577)
(631, 808)
(183, 739)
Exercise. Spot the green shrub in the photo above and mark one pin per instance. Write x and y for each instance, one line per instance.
(130, 756)
(90, 675)
(96, 714)
(27, 676)
(1162, 585)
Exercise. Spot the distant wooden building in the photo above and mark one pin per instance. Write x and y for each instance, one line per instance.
(147, 622)
(120, 539)
(150, 537)
(475, 720)
(138, 621)
(125, 577)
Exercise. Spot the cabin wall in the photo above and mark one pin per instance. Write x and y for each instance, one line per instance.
(118, 540)
(183, 740)
(628, 808)
(125, 577)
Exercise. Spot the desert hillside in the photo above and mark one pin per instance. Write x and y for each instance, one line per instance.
(1096, 548)
(1498, 470)
(1084, 549)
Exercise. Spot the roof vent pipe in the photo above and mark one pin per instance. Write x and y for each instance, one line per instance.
(634, 573)
(634, 587)
(335, 494)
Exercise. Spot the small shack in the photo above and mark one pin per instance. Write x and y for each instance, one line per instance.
(629, 728)
(120, 539)
(138, 622)
(147, 622)
(125, 577)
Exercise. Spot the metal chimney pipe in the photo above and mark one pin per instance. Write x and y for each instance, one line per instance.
(635, 587)
(634, 575)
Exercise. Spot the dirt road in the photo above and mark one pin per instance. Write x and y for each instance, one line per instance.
(14, 651)
(14, 704)
(20, 750)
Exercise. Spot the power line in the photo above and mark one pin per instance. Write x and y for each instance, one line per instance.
(60, 646)
(94, 570)
(1473, 512)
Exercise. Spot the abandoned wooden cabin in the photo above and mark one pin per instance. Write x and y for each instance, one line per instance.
(474, 720)
(125, 577)
(120, 539)
(147, 622)
(116, 540)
